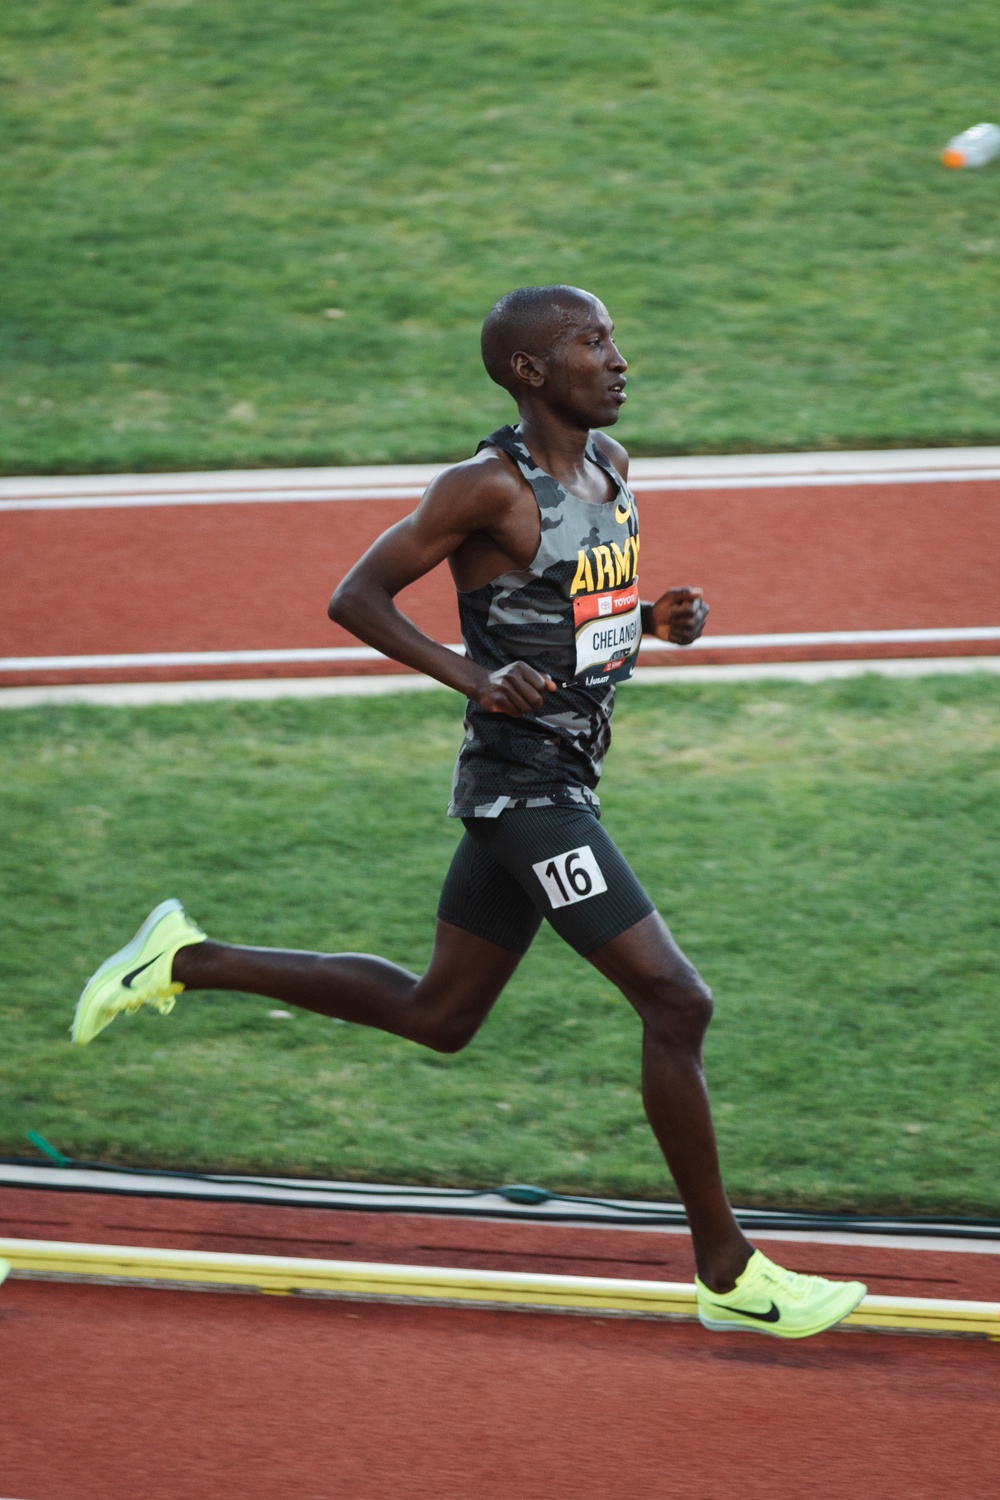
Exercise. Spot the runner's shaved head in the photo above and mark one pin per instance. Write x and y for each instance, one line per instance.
(529, 320)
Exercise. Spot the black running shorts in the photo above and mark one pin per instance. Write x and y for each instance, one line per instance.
(553, 862)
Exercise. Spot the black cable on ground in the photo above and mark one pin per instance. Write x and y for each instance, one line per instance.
(526, 1196)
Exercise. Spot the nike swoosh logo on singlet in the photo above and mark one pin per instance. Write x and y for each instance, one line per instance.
(620, 516)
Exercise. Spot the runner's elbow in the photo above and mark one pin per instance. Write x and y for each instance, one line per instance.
(344, 605)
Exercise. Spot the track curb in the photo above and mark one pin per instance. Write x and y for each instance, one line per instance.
(362, 1281)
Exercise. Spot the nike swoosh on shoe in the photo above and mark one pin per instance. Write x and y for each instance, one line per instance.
(126, 980)
(771, 1316)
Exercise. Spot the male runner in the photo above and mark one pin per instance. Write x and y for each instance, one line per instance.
(540, 531)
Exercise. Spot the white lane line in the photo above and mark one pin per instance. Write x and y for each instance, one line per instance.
(137, 694)
(116, 661)
(818, 671)
(811, 481)
(237, 689)
(356, 478)
(831, 638)
(639, 486)
(208, 497)
(408, 481)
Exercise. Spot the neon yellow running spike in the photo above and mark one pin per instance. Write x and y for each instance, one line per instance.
(138, 974)
(4, 1271)
(769, 1299)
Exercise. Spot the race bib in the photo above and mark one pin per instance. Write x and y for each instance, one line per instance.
(571, 877)
(608, 632)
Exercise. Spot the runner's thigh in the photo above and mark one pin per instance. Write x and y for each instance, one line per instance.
(573, 872)
(482, 897)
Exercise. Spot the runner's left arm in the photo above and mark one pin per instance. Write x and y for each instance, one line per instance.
(679, 616)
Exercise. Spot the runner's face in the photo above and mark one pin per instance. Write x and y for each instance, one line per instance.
(587, 373)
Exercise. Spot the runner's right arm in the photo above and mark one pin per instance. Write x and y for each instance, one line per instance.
(460, 503)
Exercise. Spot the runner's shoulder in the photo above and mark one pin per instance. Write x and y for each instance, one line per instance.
(482, 485)
(612, 450)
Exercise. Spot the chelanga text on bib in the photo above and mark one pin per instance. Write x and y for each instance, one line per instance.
(607, 634)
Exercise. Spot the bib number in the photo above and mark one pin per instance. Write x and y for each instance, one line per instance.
(571, 877)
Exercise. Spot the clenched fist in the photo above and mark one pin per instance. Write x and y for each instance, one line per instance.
(515, 690)
(679, 616)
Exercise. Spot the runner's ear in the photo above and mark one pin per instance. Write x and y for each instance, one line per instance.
(527, 369)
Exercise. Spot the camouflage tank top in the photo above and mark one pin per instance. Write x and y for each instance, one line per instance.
(573, 614)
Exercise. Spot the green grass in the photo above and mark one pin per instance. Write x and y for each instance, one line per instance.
(827, 855)
(752, 186)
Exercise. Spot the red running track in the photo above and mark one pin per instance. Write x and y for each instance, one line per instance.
(423, 1239)
(114, 1393)
(258, 576)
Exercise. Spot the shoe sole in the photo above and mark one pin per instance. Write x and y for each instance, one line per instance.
(124, 955)
(775, 1333)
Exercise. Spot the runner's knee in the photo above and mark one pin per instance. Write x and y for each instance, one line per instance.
(446, 1019)
(451, 1034)
(456, 994)
(676, 1006)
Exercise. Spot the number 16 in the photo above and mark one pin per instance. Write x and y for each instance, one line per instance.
(571, 877)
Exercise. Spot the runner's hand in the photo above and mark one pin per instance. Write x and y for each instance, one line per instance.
(679, 615)
(515, 690)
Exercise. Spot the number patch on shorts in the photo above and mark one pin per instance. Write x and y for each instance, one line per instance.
(571, 877)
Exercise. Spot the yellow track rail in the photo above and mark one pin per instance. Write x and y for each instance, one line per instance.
(285, 1274)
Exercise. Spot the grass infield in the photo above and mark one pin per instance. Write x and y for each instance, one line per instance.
(235, 233)
(826, 855)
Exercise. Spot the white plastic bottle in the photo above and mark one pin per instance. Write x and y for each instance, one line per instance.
(973, 148)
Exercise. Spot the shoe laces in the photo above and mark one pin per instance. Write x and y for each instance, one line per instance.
(792, 1284)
